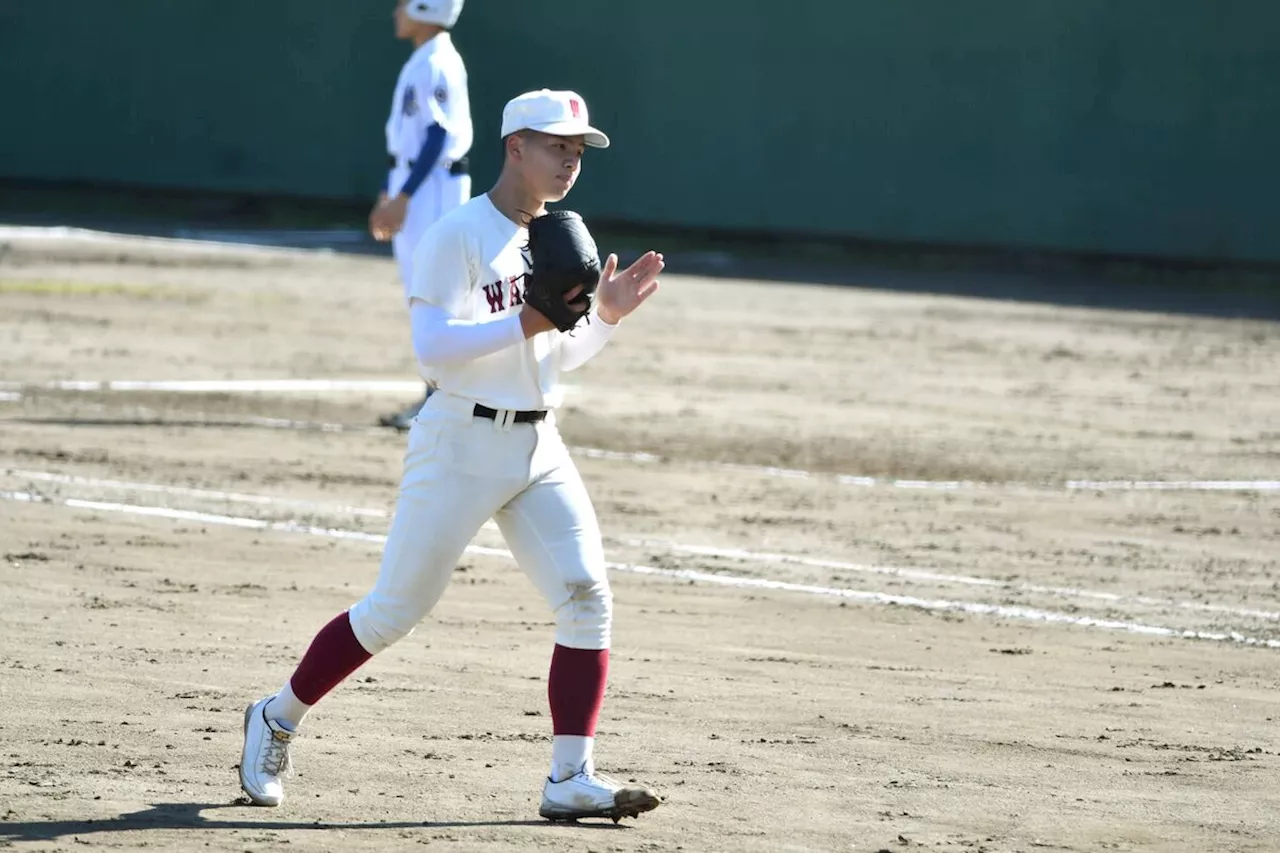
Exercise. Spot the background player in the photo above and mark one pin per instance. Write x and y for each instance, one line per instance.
(485, 445)
(428, 136)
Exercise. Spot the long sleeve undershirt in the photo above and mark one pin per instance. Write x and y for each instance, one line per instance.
(441, 338)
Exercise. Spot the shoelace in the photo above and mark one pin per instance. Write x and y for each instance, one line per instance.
(275, 758)
(604, 781)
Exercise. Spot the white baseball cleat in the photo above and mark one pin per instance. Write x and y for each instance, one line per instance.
(591, 794)
(265, 757)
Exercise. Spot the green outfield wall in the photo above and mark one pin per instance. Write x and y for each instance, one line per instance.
(1147, 127)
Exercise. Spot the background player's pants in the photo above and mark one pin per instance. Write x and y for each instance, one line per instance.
(459, 472)
(438, 194)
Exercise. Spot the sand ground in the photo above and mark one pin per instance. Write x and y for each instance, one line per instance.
(994, 657)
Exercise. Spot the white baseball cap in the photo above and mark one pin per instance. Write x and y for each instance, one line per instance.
(558, 113)
(441, 12)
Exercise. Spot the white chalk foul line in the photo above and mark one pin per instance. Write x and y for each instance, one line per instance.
(774, 558)
(941, 485)
(1174, 485)
(184, 491)
(1028, 614)
(928, 576)
(223, 386)
(90, 235)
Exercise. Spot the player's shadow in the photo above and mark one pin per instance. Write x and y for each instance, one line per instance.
(191, 816)
(1142, 284)
(1115, 285)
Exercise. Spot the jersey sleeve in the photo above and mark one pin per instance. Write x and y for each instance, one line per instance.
(443, 268)
(436, 93)
(426, 160)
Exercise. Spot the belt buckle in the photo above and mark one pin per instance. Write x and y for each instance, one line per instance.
(504, 419)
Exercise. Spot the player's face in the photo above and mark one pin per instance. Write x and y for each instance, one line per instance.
(551, 164)
(403, 23)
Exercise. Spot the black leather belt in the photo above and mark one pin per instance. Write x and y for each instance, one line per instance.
(520, 418)
(461, 166)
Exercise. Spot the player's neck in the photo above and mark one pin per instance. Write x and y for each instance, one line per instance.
(423, 36)
(514, 201)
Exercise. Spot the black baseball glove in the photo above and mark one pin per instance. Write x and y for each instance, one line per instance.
(562, 256)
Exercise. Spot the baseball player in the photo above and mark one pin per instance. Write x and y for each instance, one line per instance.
(428, 136)
(485, 445)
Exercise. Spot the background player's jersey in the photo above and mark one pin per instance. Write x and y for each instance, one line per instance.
(432, 89)
(471, 264)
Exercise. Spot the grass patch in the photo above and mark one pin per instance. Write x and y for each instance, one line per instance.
(98, 290)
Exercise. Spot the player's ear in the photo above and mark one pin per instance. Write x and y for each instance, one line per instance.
(512, 145)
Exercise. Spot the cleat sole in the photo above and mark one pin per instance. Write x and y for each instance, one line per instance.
(629, 802)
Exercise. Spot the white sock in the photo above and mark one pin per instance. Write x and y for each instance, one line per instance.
(570, 755)
(287, 708)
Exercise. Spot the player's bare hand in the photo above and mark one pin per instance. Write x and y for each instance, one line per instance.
(375, 227)
(388, 216)
(620, 293)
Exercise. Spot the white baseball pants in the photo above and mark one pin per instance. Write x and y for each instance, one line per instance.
(460, 471)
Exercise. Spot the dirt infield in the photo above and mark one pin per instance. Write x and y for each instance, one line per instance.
(893, 572)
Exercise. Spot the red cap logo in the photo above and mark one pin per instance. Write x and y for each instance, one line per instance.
(575, 108)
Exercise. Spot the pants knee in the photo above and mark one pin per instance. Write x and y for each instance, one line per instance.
(378, 627)
(585, 620)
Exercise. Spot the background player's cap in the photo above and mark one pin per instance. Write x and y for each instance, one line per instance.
(442, 12)
(556, 113)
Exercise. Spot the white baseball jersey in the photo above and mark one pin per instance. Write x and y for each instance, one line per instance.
(471, 264)
(431, 89)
